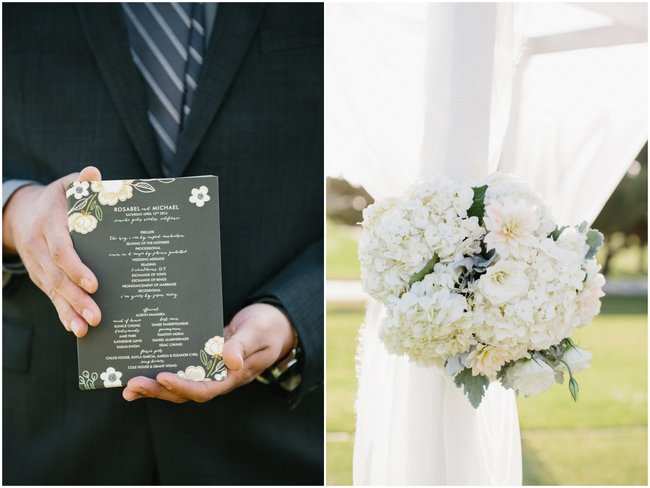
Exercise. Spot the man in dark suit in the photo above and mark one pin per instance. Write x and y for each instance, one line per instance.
(77, 89)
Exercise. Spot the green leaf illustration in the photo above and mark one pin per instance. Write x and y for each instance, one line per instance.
(144, 187)
(474, 386)
(79, 205)
(477, 208)
(98, 212)
(204, 358)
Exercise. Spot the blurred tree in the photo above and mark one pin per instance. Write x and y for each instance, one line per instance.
(345, 202)
(624, 219)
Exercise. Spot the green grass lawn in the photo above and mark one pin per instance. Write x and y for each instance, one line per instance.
(600, 440)
(341, 248)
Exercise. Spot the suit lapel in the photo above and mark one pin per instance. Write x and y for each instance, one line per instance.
(109, 43)
(233, 33)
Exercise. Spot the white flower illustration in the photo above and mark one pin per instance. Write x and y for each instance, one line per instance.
(214, 346)
(221, 375)
(82, 223)
(79, 189)
(194, 373)
(111, 378)
(112, 191)
(200, 196)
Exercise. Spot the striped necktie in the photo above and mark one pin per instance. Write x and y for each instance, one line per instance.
(167, 43)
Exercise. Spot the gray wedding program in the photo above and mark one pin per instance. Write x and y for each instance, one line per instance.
(154, 246)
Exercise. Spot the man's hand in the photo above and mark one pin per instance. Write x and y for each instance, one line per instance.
(35, 226)
(256, 338)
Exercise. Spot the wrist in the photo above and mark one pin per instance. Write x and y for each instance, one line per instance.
(9, 212)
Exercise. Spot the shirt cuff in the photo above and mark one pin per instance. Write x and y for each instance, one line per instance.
(12, 265)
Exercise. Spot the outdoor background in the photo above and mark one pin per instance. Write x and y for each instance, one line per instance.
(601, 439)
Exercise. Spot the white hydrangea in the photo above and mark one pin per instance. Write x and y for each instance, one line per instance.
(500, 290)
(401, 235)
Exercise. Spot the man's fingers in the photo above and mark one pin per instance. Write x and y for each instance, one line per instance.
(197, 391)
(67, 315)
(62, 252)
(142, 387)
(75, 296)
(244, 341)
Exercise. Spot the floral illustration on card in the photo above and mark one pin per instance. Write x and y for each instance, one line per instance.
(199, 196)
(111, 378)
(87, 380)
(212, 367)
(88, 198)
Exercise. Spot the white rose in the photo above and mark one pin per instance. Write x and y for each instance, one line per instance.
(504, 281)
(214, 346)
(530, 376)
(577, 359)
(487, 360)
(81, 223)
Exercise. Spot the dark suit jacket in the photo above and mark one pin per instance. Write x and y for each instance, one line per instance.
(72, 96)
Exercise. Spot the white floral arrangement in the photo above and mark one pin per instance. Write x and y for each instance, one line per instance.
(481, 282)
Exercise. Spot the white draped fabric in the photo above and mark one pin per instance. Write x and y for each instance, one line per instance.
(554, 92)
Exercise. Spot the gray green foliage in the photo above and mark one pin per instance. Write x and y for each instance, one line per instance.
(474, 386)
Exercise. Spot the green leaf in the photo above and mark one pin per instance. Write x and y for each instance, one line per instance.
(204, 357)
(428, 268)
(556, 233)
(594, 241)
(574, 388)
(474, 386)
(478, 205)
(98, 213)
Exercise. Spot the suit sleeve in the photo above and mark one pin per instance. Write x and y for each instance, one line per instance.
(298, 286)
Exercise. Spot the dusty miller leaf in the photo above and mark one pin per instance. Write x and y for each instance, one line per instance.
(474, 386)
(594, 241)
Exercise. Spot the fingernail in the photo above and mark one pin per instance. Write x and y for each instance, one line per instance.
(141, 391)
(130, 395)
(76, 326)
(166, 385)
(88, 316)
(85, 284)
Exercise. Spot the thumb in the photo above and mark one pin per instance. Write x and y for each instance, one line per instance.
(234, 353)
(90, 173)
(243, 343)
